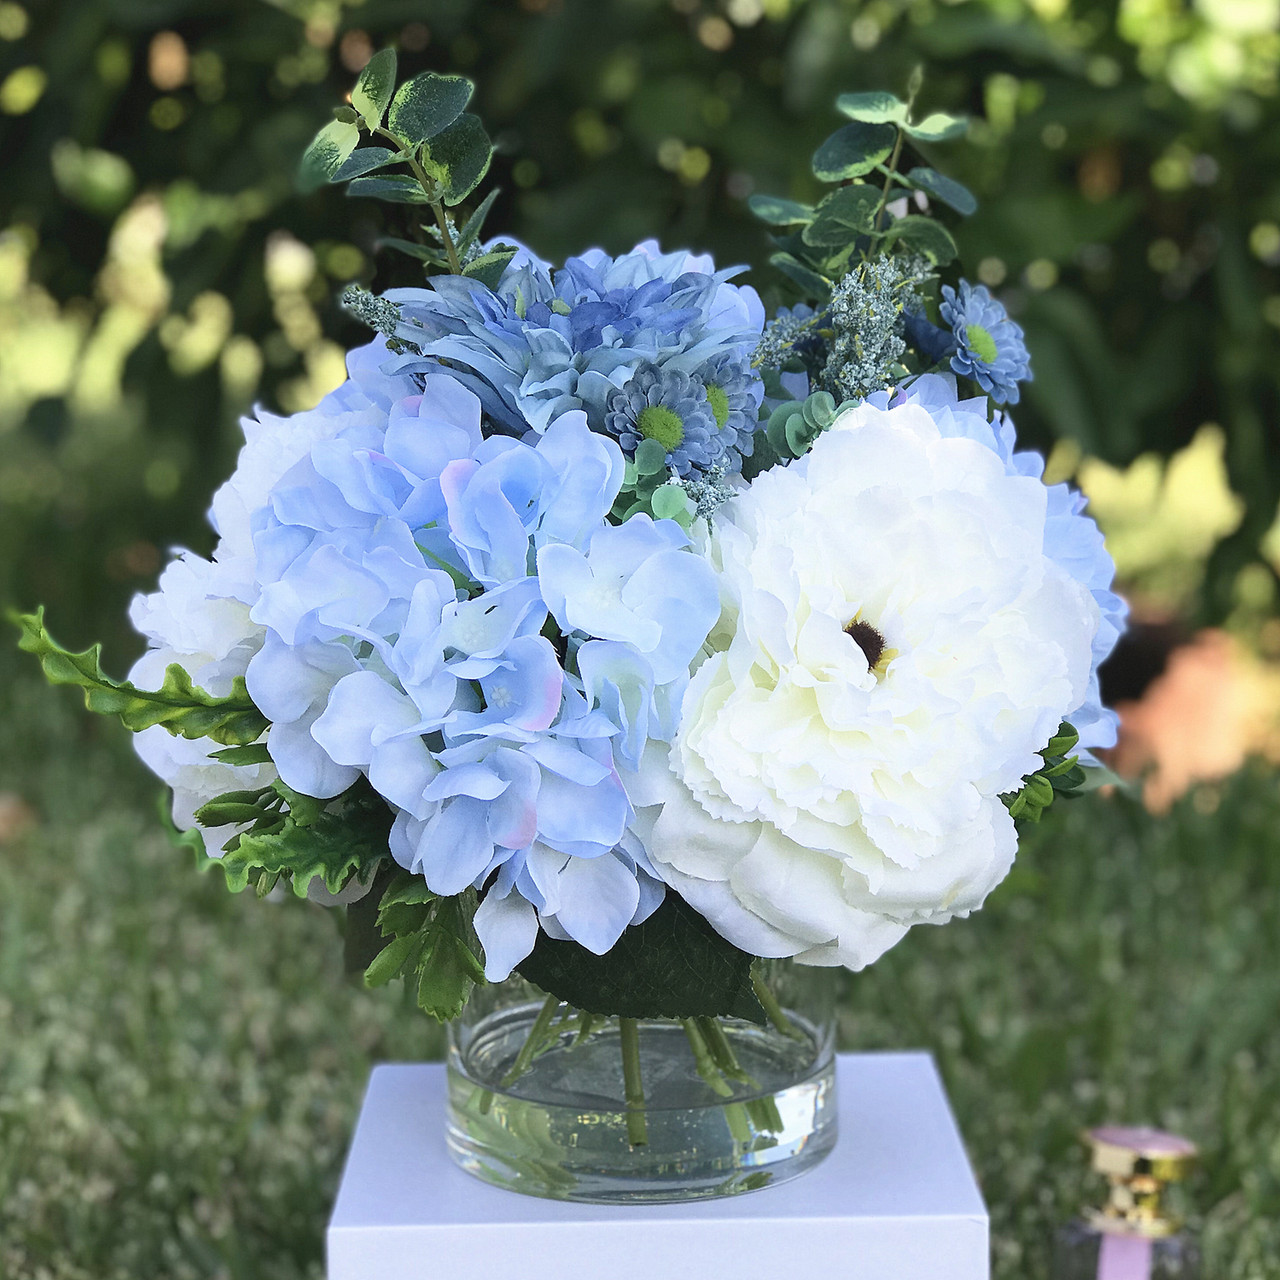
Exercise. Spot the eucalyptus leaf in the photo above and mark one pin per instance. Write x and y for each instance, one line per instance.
(673, 965)
(810, 282)
(853, 151)
(373, 90)
(423, 252)
(778, 212)
(948, 190)
(923, 235)
(938, 127)
(427, 105)
(874, 107)
(471, 229)
(464, 152)
(488, 267)
(855, 206)
(393, 187)
(326, 154)
(363, 161)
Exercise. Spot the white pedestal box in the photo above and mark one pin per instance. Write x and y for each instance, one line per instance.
(896, 1200)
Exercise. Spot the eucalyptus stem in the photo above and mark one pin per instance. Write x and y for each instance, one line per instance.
(533, 1041)
(632, 1083)
(710, 1072)
(774, 1011)
(430, 190)
(888, 177)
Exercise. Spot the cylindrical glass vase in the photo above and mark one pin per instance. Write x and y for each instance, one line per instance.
(552, 1102)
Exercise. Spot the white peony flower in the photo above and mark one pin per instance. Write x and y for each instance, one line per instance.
(894, 649)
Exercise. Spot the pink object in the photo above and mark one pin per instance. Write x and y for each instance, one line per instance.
(1144, 1142)
(1124, 1258)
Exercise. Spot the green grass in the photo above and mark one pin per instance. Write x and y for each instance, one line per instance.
(180, 1068)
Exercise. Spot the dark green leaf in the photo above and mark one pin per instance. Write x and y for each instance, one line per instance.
(363, 161)
(361, 938)
(938, 127)
(254, 753)
(472, 227)
(393, 187)
(427, 105)
(923, 235)
(948, 190)
(373, 89)
(464, 152)
(423, 252)
(811, 283)
(488, 267)
(853, 151)
(394, 957)
(855, 206)
(182, 708)
(875, 107)
(778, 212)
(674, 965)
(326, 154)
(348, 115)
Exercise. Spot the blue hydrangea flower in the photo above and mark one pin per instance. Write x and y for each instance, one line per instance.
(989, 346)
(547, 342)
(670, 407)
(406, 567)
(1071, 538)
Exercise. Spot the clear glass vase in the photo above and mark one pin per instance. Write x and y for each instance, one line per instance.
(552, 1102)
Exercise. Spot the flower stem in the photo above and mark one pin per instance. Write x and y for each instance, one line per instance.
(632, 1084)
(722, 1052)
(706, 1064)
(449, 247)
(773, 1009)
(533, 1041)
(431, 191)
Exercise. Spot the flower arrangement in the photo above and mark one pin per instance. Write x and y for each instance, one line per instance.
(602, 628)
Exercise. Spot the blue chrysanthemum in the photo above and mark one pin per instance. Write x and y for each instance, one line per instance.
(672, 408)
(734, 392)
(989, 346)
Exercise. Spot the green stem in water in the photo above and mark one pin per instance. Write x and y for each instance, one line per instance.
(533, 1042)
(774, 1011)
(632, 1084)
(722, 1052)
(706, 1064)
(586, 1021)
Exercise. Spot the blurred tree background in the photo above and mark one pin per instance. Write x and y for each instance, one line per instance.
(160, 272)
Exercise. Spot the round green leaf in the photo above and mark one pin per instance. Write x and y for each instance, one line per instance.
(462, 154)
(875, 107)
(428, 104)
(855, 206)
(938, 127)
(326, 154)
(366, 160)
(853, 151)
(948, 190)
(778, 212)
(373, 90)
(394, 188)
(925, 236)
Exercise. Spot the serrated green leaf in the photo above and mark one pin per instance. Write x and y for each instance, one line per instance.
(395, 188)
(873, 107)
(372, 93)
(948, 190)
(778, 212)
(853, 151)
(810, 282)
(488, 267)
(427, 105)
(224, 813)
(938, 127)
(673, 965)
(449, 967)
(363, 161)
(464, 152)
(178, 705)
(392, 959)
(327, 153)
(923, 235)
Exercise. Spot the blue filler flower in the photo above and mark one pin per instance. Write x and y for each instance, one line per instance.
(672, 408)
(734, 392)
(990, 347)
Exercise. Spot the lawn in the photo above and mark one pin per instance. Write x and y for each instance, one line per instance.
(180, 1068)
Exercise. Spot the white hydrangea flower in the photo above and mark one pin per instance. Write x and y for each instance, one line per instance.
(894, 649)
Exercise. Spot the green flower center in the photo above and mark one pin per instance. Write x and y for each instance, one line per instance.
(657, 422)
(718, 399)
(981, 343)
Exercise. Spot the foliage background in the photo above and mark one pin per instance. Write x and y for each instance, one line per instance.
(172, 1101)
